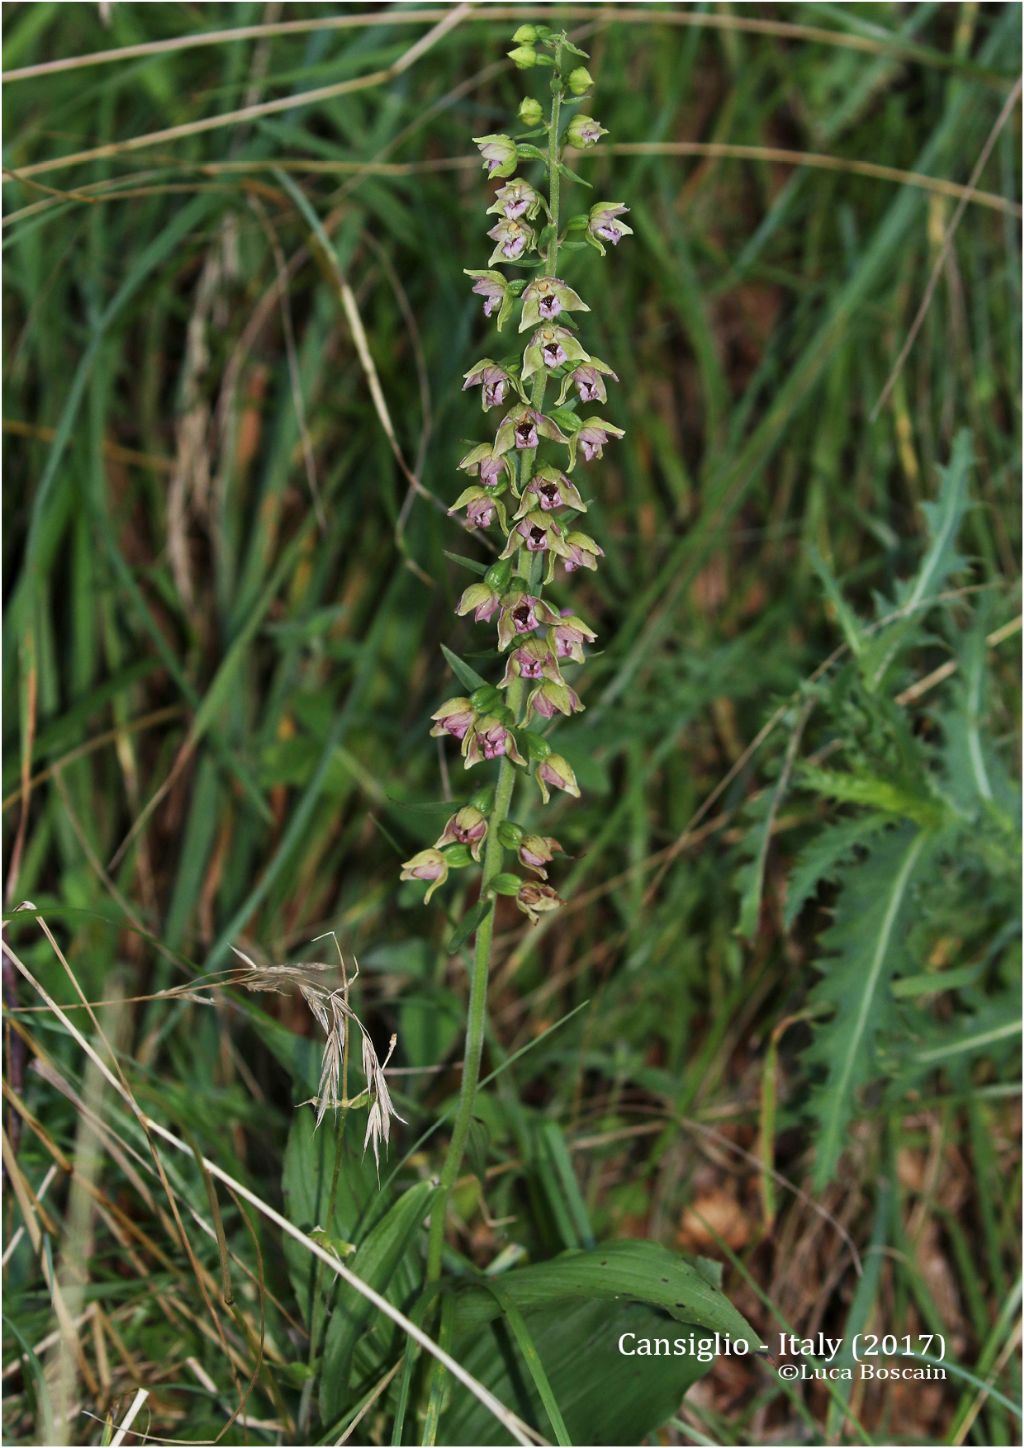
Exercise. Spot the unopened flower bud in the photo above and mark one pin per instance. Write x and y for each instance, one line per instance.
(481, 601)
(524, 56)
(480, 504)
(526, 35)
(584, 131)
(493, 381)
(568, 636)
(591, 438)
(536, 851)
(580, 80)
(549, 699)
(455, 717)
(580, 551)
(468, 826)
(556, 772)
(588, 379)
(499, 154)
(427, 865)
(484, 463)
(534, 900)
(531, 113)
(603, 224)
(493, 287)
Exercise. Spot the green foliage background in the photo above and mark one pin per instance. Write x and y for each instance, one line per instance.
(228, 463)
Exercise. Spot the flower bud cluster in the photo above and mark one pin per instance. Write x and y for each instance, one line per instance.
(526, 488)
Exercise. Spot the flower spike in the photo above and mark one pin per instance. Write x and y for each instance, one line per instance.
(523, 486)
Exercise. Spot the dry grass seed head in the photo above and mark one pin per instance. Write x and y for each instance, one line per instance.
(332, 1012)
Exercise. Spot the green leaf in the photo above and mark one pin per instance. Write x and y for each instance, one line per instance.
(976, 779)
(822, 856)
(467, 677)
(633, 1271)
(534, 1365)
(940, 562)
(309, 1161)
(853, 629)
(467, 925)
(477, 1146)
(375, 1261)
(603, 1396)
(874, 793)
(571, 176)
(868, 946)
(473, 564)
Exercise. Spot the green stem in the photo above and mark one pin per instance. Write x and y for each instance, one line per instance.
(493, 851)
(319, 1304)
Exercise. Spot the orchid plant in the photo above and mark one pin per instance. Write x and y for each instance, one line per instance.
(525, 485)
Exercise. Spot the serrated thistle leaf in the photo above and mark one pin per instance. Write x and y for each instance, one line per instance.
(763, 814)
(859, 787)
(851, 625)
(749, 876)
(941, 560)
(865, 947)
(822, 857)
(975, 778)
